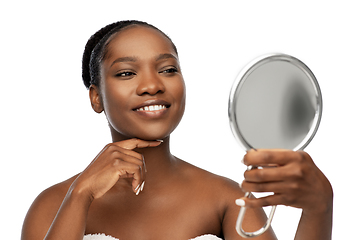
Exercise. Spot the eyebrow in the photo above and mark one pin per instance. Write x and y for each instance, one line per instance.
(134, 59)
(124, 59)
(166, 56)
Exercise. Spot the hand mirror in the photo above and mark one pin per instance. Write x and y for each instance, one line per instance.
(275, 102)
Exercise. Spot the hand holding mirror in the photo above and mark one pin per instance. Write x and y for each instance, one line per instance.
(275, 102)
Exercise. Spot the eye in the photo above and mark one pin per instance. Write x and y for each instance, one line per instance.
(125, 74)
(170, 70)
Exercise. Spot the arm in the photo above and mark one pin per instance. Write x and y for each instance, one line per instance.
(254, 218)
(315, 225)
(316, 219)
(45, 220)
(53, 216)
(295, 181)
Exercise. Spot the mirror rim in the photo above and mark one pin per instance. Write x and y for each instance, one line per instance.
(242, 77)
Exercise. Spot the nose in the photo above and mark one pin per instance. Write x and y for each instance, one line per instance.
(150, 84)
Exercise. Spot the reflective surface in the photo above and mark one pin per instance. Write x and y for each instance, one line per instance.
(275, 102)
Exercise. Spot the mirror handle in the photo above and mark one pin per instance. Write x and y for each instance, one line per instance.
(244, 234)
(241, 216)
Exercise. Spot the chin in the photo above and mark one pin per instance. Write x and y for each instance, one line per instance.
(149, 131)
(149, 134)
(157, 131)
(152, 137)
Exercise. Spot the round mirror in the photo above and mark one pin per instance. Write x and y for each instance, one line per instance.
(275, 102)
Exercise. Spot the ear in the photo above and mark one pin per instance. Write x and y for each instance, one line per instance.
(95, 99)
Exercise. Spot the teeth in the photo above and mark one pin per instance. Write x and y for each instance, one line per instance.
(151, 108)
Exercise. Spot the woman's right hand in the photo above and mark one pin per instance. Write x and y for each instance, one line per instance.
(116, 160)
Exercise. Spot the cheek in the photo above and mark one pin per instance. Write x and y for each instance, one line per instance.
(179, 93)
(114, 102)
(113, 98)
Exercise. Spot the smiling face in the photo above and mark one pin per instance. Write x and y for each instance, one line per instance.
(142, 91)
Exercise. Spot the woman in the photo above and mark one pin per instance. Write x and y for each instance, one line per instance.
(135, 188)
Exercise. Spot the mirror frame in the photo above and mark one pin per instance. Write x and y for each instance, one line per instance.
(242, 77)
(234, 93)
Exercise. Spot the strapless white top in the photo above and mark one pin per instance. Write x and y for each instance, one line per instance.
(102, 236)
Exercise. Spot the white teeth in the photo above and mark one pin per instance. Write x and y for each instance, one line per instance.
(151, 108)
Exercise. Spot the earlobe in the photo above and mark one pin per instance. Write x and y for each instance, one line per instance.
(95, 99)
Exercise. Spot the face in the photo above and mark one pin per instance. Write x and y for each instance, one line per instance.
(142, 91)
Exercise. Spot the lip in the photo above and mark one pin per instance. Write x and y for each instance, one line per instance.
(152, 102)
(153, 113)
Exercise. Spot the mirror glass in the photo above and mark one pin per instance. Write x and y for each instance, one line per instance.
(275, 102)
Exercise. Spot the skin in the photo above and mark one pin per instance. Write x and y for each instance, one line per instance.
(136, 189)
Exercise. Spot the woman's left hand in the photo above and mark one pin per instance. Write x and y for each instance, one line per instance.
(291, 176)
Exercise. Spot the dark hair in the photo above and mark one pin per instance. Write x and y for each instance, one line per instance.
(96, 49)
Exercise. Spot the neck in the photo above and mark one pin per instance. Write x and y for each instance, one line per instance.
(159, 161)
(158, 158)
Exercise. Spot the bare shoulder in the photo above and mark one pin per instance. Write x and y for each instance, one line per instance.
(223, 193)
(44, 208)
(226, 189)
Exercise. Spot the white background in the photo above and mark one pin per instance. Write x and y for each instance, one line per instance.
(47, 125)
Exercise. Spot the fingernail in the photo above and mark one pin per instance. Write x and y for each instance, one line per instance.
(240, 202)
(160, 140)
(144, 163)
(142, 186)
(137, 192)
(137, 188)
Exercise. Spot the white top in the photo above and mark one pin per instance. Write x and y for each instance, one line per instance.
(102, 236)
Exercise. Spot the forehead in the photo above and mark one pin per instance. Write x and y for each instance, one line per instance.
(139, 41)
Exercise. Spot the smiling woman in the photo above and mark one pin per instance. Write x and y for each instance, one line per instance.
(133, 75)
(139, 72)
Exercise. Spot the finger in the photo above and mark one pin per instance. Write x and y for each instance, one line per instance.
(132, 157)
(131, 153)
(274, 187)
(117, 152)
(139, 162)
(138, 156)
(263, 157)
(129, 170)
(272, 174)
(133, 143)
(143, 159)
(114, 147)
(272, 200)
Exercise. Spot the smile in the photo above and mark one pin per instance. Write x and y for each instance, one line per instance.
(151, 108)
